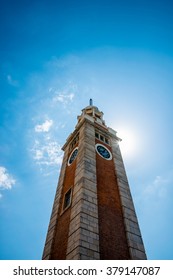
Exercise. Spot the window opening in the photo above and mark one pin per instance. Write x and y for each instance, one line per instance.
(102, 138)
(106, 141)
(67, 199)
(97, 135)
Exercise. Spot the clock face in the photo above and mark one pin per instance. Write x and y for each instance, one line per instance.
(72, 156)
(103, 151)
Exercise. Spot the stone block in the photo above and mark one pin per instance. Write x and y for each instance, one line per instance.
(94, 247)
(86, 166)
(87, 153)
(92, 221)
(87, 184)
(47, 248)
(120, 169)
(123, 185)
(136, 245)
(127, 203)
(132, 224)
(85, 174)
(134, 237)
(133, 230)
(87, 206)
(75, 222)
(96, 255)
(73, 254)
(129, 214)
(137, 255)
(84, 257)
(125, 193)
(85, 244)
(76, 209)
(86, 253)
(50, 235)
(121, 175)
(52, 223)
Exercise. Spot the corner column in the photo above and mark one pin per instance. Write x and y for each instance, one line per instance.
(134, 238)
(83, 240)
(54, 215)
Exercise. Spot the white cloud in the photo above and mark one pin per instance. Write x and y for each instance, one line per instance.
(38, 154)
(11, 81)
(65, 95)
(47, 152)
(6, 180)
(63, 98)
(158, 186)
(45, 127)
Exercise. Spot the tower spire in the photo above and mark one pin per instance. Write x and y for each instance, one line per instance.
(91, 102)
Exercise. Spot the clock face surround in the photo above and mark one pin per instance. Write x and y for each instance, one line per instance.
(72, 156)
(103, 151)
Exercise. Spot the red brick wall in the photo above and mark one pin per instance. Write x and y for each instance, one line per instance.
(113, 243)
(61, 237)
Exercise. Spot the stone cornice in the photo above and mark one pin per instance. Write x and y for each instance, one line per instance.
(87, 119)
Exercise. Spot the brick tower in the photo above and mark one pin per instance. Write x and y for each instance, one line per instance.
(93, 215)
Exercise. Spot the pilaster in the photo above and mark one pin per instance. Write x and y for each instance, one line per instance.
(83, 240)
(134, 239)
(55, 209)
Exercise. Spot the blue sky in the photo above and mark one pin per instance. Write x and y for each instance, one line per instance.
(54, 56)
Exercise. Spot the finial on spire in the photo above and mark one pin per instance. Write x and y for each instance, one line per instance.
(91, 102)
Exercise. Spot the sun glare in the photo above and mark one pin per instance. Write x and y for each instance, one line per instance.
(129, 143)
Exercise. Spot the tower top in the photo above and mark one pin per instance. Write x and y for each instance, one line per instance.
(93, 113)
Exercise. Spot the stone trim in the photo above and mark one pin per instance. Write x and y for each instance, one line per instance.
(135, 243)
(54, 214)
(83, 240)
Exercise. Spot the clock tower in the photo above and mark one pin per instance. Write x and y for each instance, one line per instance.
(93, 215)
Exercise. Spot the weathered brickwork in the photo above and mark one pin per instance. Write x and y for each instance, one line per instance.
(113, 243)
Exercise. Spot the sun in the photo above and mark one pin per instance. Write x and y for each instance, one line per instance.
(129, 144)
